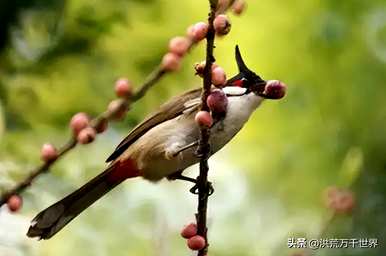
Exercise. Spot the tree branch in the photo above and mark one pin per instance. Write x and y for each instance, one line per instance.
(204, 147)
(108, 115)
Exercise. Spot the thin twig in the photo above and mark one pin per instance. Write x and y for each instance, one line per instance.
(204, 147)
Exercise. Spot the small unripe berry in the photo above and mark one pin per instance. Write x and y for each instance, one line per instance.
(171, 62)
(189, 231)
(48, 153)
(339, 200)
(14, 203)
(203, 118)
(102, 125)
(78, 122)
(199, 31)
(217, 101)
(222, 5)
(238, 7)
(190, 32)
(123, 88)
(200, 66)
(346, 202)
(218, 76)
(179, 45)
(196, 243)
(275, 89)
(87, 135)
(117, 109)
(222, 25)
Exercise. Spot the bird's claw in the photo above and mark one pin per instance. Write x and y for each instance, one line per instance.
(209, 189)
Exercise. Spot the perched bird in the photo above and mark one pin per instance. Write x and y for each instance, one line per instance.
(162, 146)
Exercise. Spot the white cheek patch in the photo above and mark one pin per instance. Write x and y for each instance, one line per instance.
(234, 90)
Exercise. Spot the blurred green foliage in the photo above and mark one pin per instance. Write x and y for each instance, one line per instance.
(61, 57)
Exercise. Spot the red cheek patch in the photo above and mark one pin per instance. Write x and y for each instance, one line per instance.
(123, 170)
(238, 83)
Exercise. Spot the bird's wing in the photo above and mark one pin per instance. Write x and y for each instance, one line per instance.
(171, 109)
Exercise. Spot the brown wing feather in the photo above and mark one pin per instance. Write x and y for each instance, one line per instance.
(169, 110)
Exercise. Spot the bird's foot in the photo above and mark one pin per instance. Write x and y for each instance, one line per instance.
(194, 190)
(209, 188)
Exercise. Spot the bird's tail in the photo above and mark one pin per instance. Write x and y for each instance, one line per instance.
(51, 220)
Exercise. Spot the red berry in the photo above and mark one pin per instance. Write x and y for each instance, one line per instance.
(238, 7)
(123, 88)
(203, 118)
(222, 25)
(179, 45)
(189, 231)
(171, 62)
(275, 89)
(78, 122)
(199, 31)
(14, 203)
(48, 152)
(87, 135)
(101, 125)
(218, 76)
(117, 108)
(196, 243)
(217, 101)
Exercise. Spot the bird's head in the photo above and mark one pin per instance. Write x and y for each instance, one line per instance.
(253, 83)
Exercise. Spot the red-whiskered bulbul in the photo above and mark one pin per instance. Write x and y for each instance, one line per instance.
(162, 146)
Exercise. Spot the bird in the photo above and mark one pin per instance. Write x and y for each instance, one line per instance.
(161, 146)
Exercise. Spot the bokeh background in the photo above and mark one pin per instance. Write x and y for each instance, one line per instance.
(60, 57)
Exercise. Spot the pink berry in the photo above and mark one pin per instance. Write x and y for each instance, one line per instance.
(340, 200)
(123, 88)
(117, 108)
(179, 45)
(222, 25)
(101, 126)
(199, 31)
(87, 135)
(189, 231)
(196, 243)
(238, 7)
(217, 101)
(218, 76)
(203, 118)
(171, 62)
(78, 122)
(275, 89)
(48, 153)
(14, 203)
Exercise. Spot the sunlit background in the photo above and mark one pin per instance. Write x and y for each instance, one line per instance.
(61, 57)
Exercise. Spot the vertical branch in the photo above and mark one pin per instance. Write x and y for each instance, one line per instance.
(204, 147)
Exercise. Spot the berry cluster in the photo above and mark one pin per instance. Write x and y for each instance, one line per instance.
(180, 45)
(194, 241)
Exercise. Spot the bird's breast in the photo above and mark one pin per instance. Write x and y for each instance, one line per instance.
(239, 110)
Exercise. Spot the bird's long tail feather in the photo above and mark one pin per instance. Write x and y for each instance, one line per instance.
(51, 220)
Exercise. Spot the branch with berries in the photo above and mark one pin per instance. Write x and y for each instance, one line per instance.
(213, 103)
(84, 129)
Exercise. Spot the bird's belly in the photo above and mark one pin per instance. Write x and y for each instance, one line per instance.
(181, 131)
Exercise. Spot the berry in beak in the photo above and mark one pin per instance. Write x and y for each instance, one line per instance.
(274, 90)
